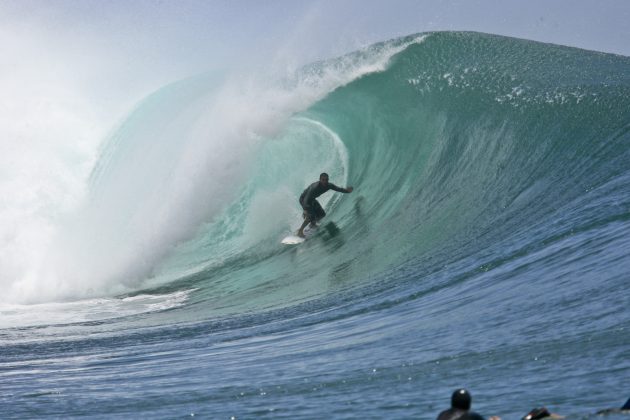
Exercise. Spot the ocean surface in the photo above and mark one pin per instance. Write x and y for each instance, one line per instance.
(486, 245)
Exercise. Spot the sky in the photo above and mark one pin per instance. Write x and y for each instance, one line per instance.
(180, 36)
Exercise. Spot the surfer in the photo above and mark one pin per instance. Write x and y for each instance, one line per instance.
(313, 211)
(460, 408)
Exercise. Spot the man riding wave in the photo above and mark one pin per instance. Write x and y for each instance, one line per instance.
(313, 211)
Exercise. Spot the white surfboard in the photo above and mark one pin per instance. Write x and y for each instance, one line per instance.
(295, 240)
(292, 240)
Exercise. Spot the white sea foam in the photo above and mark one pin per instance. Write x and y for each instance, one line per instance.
(95, 309)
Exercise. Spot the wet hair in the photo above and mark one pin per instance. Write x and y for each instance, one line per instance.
(461, 399)
(537, 413)
(322, 175)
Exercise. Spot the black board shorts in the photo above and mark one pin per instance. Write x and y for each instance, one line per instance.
(314, 212)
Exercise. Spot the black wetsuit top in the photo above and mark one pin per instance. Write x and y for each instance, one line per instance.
(315, 190)
(458, 414)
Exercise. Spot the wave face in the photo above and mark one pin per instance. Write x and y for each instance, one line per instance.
(486, 243)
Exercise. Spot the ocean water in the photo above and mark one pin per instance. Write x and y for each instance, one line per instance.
(486, 245)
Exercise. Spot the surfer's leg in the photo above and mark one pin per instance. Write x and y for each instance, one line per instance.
(300, 232)
(308, 218)
(318, 213)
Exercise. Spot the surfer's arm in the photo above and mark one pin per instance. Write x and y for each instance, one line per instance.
(339, 189)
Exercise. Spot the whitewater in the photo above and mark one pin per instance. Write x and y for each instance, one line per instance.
(486, 244)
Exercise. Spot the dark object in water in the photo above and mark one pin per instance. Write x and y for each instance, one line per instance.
(537, 413)
(625, 408)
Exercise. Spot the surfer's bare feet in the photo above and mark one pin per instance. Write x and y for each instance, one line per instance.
(300, 233)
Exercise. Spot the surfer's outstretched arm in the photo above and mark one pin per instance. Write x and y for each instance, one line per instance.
(341, 190)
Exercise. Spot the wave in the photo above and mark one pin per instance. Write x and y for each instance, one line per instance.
(465, 150)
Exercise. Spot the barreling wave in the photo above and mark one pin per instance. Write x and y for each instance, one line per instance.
(467, 147)
(463, 148)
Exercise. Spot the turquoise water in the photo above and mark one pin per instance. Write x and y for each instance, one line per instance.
(485, 245)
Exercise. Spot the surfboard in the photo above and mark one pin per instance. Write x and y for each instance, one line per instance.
(293, 240)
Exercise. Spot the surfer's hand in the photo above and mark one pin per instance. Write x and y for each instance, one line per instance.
(349, 189)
